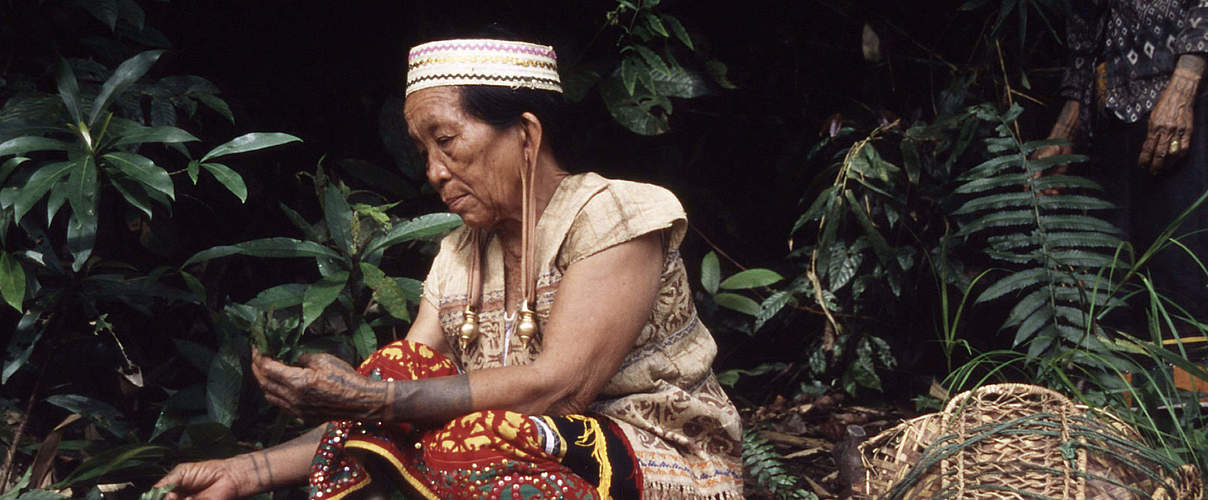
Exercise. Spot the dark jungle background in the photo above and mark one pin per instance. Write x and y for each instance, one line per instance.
(829, 154)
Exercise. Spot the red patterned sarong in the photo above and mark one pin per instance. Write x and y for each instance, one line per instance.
(486, 454)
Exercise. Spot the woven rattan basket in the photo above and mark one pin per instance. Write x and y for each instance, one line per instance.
(1018, 441)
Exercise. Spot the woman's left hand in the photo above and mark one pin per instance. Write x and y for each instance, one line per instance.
(323, 387)
(1170, 123)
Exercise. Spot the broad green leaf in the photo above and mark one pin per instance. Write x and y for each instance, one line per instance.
(9, 166)
(29, 144)
(266, 247)
(364, 340)
(751, 278)
(224, 381)
(99, 412)
(229, 178)
(217, 104)
(82, 195)
(307, 229)
(250, 142)
(142, 169)
(22, 343)
(163, 134)
(126, 74)
(386, 291)
(133, 194)
(69, 90)
(279, 297)
(422, 227)
(412, 288)
(879, 244)
(319, 295)
(37, 185)
(338, 217)
(710, 272)
(738, 303)
(12, 280)
(36, 494)
(678, 30)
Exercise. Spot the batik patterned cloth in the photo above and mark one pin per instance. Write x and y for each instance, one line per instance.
(665, 399)
(487, 454)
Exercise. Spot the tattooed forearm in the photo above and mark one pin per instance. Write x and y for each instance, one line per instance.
(427, 400)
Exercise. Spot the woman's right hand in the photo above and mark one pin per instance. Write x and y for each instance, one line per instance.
(1064, 128)
(208, 480)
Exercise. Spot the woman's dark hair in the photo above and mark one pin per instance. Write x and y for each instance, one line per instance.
(501, 107)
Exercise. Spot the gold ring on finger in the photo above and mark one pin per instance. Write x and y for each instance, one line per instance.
(1174, 145)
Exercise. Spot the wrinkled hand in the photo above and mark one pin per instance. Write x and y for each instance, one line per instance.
(209, 480)
(322, 388)
(1170, 124)
(1064, 128)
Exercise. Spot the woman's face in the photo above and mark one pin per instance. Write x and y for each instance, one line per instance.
(473, 166)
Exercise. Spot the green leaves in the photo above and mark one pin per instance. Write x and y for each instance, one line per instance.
(143, 170)
(386, 291)
(265, 247)
(422, 227)
(1050, 243)
(321, 294)
(249, 142)
(224, 380)
(228, 178)
(29, 144)
(735, 302)
(126, 74)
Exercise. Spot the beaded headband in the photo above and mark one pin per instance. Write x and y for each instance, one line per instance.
(500, 63)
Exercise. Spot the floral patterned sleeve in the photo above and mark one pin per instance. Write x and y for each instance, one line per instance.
(1084, 31)
(1194, 36)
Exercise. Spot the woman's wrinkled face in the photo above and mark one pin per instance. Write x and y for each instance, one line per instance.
(472, 165)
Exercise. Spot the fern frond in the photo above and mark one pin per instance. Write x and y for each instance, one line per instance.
(766, 468)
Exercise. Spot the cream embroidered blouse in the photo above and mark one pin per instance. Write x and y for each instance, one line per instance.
(682, 426)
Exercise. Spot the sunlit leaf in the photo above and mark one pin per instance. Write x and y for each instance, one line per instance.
(751, 278)
(250, 142)
(422, 227)
(163, 134)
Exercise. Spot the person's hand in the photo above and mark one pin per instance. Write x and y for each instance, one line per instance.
(209, 480)
(322, 388)
(1063, 128)
(1170, 123)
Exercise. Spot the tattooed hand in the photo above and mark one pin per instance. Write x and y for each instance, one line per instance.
(1170, 122)
(212, 479)
(322, 388)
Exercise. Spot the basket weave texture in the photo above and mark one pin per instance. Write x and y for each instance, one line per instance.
(1019, 441)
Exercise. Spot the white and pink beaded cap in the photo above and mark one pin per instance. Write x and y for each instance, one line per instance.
(502, 63)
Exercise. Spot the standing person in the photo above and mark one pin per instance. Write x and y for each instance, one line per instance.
(1132, 88)
(557, 352)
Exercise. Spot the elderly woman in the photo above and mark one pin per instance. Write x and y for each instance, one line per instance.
(556, 353)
